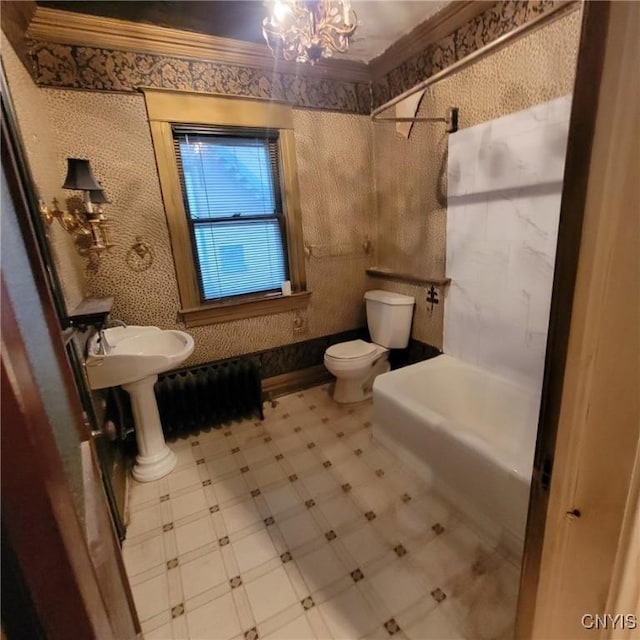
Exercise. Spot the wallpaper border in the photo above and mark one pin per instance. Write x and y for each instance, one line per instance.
(66, 66)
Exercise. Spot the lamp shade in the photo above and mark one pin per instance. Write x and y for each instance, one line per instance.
(97, 196)
(80, 176)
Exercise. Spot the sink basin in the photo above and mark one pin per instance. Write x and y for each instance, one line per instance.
(133, 353)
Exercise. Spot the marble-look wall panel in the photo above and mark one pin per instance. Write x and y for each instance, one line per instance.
(44, 163)
(335, 174)
(411, 174)
(505, 184)
(97, 69)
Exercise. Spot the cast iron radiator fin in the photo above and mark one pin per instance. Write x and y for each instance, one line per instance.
(204, 397)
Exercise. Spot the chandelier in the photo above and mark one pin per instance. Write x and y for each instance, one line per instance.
(309, 30)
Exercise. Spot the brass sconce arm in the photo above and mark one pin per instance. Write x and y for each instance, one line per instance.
(84, 218)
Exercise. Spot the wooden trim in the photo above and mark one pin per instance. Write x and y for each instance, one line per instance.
(577, 165)
(169, 105)
(438, 26)
(165, 107)
(16, 16)
(376, 272)
(186, 275)
(37, 507)
(295, 380)
(290, 189)
(66, 27)
(225, 312)
(598, 424)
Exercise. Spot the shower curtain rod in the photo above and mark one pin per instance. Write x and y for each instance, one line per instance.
(553, 14)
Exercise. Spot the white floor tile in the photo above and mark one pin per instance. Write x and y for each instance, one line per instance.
(399, 585)
(143, 556)
(364, 544)
(435, 625)
(270, 594)
(194, 535)
(201, 574)
(144, 520)
(188, 503)
(268, 474)
(304, 462)
(281, 499)
(320, 482)
(142, 492)
(216, 620)
(223, 466)
(258, 453)
(340, 511)
(477, 605)
(181, 478)
(253, 550)
(240, 515)
(299, 629)
(348, 615)
(151, 597)
(320, 568)
(299, 530)
(231, 489)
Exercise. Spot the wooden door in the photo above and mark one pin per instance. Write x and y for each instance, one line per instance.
(55, 518)
(581, 535)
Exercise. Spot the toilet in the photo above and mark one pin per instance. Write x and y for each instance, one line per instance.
(356, 363)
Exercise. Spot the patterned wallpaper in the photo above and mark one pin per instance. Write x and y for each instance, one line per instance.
(411, 199)
(357, 179)
(47, 168)
(335, 171)
(101, 69)
(489, 25)
(75, 67)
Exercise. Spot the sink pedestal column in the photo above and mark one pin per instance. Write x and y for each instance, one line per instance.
(154, 460)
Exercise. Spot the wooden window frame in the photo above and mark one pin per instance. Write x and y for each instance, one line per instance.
(168, 107)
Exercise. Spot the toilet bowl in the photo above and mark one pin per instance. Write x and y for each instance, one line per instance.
(355, 364)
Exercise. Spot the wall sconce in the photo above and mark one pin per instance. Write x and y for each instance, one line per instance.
(84, 221)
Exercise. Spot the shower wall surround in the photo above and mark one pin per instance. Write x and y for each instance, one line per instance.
(505, 185)
(411, 175)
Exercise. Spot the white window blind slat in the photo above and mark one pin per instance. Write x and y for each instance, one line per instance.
(232, 198)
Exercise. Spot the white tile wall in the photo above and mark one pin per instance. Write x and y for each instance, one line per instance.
(505, 183)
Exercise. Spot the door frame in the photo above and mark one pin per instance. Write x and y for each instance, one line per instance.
(62, 570)
(580, 490)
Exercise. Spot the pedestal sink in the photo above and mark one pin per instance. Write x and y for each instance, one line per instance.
(132, 357)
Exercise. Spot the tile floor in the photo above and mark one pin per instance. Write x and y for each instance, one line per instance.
(301, 527)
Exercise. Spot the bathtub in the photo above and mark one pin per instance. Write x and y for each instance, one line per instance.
(468, 432)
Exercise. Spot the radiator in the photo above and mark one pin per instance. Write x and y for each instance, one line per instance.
(204, 397)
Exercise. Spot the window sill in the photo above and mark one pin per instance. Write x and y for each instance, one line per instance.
(226, 312)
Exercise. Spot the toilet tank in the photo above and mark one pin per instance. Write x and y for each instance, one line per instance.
(389, 318)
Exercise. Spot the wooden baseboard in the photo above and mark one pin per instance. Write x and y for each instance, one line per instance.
(294, 381)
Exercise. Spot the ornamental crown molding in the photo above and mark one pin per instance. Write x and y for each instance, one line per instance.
(66, 27)
(440, 25)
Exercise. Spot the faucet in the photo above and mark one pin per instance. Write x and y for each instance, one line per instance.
(103, 344)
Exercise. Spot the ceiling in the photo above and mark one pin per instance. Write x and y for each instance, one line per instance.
(381, 22)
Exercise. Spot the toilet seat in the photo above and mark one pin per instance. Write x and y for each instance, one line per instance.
(351, 349)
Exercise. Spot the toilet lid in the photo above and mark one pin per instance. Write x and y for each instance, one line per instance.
(351, 349)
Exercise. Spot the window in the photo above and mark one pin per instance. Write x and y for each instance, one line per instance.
(230, 182)
(228, 176)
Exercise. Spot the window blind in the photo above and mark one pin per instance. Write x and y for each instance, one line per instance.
(231, 188)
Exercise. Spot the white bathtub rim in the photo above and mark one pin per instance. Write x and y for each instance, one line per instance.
(521, 470)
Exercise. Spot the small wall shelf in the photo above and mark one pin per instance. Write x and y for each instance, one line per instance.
(91, 311)
(410, 278)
